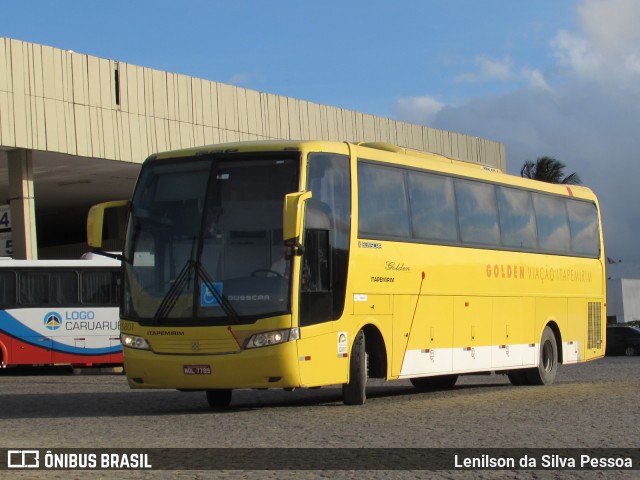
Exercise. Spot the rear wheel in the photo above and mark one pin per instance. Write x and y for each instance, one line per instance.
(354, 392)
(545, 374)
(219, 398)
(441, 382)
(630, 351)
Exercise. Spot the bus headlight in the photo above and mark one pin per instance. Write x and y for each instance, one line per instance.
(275, 337)
(133, 341)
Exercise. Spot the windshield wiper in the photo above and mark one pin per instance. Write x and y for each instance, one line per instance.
(172, 296)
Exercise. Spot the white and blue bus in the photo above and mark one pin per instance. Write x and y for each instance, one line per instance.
(60, 312)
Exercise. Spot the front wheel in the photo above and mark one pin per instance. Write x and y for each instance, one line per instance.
(630, 351)
(219, 398)
(354, 392)
(545, 374)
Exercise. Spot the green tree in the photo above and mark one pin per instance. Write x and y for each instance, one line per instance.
(550, 170)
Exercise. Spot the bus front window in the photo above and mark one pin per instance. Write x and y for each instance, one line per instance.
(205, 239)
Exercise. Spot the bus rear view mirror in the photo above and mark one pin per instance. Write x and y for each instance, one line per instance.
(95, 222)
(292, 217)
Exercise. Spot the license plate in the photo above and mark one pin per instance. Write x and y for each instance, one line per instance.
(196, 369)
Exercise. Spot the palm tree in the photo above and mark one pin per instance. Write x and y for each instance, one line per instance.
(548, 169)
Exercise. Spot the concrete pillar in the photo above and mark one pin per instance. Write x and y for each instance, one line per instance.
(22, 203)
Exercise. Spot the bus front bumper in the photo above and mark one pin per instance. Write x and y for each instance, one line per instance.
(273, 366)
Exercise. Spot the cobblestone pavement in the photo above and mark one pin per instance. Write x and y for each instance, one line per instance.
(591, 405)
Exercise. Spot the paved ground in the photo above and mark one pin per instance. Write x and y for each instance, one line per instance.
(591, 405)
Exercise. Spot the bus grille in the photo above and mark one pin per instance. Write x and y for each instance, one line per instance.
(195, 347)
(595, 325)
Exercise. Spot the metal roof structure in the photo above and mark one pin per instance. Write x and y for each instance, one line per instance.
(74, 130)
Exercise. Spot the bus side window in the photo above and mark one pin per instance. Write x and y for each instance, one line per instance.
(583, 223)
(553, 224)
(477, 212)
(433, 207)
(48, 288)
(100, 288)
(7, 289)
(517, 218)
(383, 202)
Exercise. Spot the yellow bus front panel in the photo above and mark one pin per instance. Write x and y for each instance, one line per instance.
(274, 366)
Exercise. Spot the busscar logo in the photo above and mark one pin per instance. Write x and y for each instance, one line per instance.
(52, 320)
(23, 459)
(365, 244)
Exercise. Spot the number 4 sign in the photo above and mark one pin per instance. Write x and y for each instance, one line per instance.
(5, 217)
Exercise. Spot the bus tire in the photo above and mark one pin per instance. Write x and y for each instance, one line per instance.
(547, 368)
(354, 392)
(219, 398)
(441, 382)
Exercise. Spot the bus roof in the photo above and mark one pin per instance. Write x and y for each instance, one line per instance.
(384, 152)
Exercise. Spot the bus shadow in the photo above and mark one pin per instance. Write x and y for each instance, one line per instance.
(34, 371)
(332, 396)
(163, 402)
(98, 404)
(125, 403)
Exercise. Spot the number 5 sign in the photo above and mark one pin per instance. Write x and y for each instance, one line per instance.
(6, 244)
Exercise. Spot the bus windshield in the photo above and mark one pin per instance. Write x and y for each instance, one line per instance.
(205, 240)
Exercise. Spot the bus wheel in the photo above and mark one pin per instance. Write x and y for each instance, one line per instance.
(441, 382)
(518, 377)
(545, 374)
(219, 398)
(354, 392)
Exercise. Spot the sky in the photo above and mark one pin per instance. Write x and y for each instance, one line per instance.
(557, 78)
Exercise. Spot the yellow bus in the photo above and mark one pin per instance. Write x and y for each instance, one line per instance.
(312, 263)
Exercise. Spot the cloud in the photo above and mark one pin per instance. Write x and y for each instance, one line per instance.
(494, 70)
(489, 69)
(575, 53)
(607, 49)
(535, 78)
(588, 118)
(420, 110)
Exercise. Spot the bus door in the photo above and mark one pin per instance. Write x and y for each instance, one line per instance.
(323, 346)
